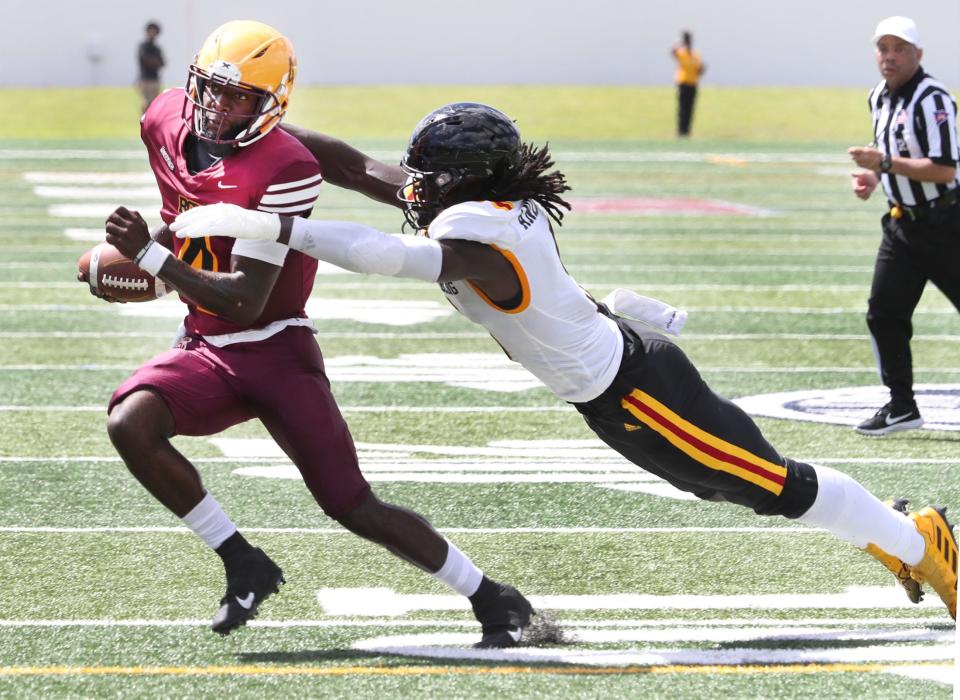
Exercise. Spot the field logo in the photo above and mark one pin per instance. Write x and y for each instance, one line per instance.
(939, 405)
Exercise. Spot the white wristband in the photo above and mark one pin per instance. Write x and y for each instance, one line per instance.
(151, 257)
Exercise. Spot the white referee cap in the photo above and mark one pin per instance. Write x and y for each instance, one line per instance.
(900, 27)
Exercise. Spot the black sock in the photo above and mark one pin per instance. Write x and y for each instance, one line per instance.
(486, 589)
(233, 548)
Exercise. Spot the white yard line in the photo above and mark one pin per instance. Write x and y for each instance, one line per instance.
(141, 177)
(759, 268)
(84, 234)
(70, 154)
(470, 624)
(385, 335)
(841, 337)
(906, 461)
(755, 231)
(806, 336)
(450, 530)
(98, 210)
(346, 409)
(814, 370)
(703, 369)
(584, 267)
(582, 156)
(622, 283)
(779, 310)
(93, 193)
(383, 601)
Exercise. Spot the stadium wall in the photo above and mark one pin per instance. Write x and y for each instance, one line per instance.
(744, 42)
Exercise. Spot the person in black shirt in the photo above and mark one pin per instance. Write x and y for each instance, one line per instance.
(914, 157)
(150, 60)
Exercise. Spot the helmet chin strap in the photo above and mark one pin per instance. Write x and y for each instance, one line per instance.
(268, 110)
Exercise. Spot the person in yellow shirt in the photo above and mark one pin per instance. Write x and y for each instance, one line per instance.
(690, 67)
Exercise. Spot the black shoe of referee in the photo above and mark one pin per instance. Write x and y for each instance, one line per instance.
(892, 418)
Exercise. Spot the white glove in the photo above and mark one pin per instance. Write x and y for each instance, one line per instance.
(226, 220)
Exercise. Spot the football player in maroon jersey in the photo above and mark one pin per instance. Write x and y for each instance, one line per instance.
(247, 348)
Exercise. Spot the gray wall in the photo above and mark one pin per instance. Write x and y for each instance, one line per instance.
(749, 42)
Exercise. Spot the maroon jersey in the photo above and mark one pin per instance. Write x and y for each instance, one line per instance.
(275, 174)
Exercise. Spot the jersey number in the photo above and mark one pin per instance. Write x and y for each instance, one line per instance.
(197, 253)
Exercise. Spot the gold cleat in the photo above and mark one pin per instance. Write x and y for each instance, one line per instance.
(938, 568)
(894, 565)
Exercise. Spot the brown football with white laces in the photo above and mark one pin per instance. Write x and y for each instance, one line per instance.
(109, 272)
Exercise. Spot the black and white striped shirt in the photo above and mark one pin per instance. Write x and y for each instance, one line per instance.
(919, 120)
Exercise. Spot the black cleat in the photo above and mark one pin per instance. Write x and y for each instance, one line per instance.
(891, 419)
(250, 581)
(504, 614)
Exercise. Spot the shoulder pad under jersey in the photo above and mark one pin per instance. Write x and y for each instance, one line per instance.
(484, 222)
(170, 100)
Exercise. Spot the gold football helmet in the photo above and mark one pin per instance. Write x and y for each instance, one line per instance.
(254, 66)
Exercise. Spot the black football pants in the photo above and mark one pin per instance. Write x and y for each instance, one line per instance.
(661, 415)
(911, 252)
(686, 96)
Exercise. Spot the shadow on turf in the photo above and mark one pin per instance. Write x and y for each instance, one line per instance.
(829, 640)
(306, 656)
(542, 631)
(926, 436)
(354, 656)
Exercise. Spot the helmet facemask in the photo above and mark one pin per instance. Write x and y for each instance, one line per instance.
(424, 194)
(231, 128)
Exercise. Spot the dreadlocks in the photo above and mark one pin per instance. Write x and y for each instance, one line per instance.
(528, 179)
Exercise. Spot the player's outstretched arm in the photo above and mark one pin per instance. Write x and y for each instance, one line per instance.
(345, 166)
(355, 247)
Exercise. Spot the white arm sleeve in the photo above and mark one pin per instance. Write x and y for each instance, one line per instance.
(359, 248)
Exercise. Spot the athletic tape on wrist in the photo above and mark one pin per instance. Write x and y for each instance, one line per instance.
(151, 257)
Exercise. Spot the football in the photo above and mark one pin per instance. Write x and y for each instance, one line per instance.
(109, 272)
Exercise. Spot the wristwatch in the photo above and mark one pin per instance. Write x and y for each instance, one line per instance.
(886, 163)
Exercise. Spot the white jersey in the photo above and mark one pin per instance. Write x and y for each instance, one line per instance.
(554, 329)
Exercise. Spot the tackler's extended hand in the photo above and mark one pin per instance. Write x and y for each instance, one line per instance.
(226, 220)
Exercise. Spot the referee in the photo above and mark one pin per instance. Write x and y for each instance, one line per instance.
(914, 157)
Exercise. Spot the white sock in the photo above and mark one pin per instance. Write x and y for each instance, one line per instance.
(209, 522)
(459, 572)
(855, 515)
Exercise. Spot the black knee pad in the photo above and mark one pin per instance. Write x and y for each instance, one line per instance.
(799, 492)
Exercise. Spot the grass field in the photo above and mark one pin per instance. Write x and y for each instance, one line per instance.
(105, 595)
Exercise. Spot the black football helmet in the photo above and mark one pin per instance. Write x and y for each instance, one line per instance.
(452, 153)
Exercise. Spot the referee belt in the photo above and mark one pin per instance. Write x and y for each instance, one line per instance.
(944, 201)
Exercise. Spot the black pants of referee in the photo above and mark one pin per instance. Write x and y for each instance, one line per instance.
(911, 253)
(686, 96)
(662, 416)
